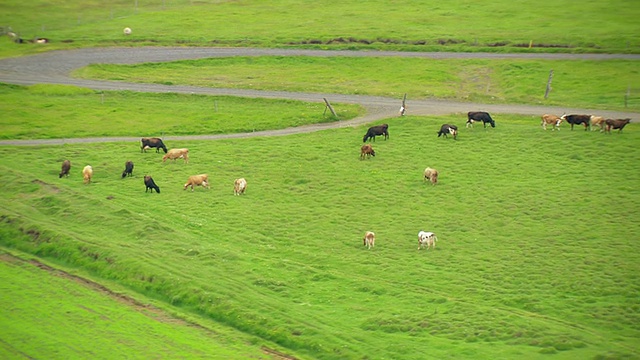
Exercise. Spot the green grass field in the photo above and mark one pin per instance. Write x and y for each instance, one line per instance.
(535, 253)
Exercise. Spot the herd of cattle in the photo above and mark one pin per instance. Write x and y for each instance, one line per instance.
(239, 186)
(429, 238)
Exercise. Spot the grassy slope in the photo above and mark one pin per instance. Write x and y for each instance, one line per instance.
(402, 24)
(487, 81)
(79, 112)
(533, 256)
(52, 317)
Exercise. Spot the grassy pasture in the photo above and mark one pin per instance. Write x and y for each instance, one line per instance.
(564, 26)
(534, 255)
(589, 84)
(79, 112)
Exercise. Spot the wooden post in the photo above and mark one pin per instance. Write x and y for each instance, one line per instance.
(546, 93)
(330, 107)
(627, 95)
(403, 108)
(215, 104)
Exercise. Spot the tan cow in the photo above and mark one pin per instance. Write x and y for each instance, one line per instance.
(239, 186)
(597, 121)
(366, 150)
(431, 174)
(197, 180)
(87, 173)
(369, 239)
(174, 154)
(548, 119)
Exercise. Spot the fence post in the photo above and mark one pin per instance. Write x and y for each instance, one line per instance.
(330, 107)
(546, 93)
(627, 95)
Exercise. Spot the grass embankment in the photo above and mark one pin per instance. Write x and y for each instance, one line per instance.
(51, 315)
(534, 255)
(499, 26)
(587, 84)
(59, 111)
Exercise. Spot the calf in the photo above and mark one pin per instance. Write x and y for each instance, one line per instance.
(150, 184)
(597, 121)
(66, 166)
(616, 124)
(128, 169)
(374, 131)
(239, 186)
(175, 154)
(577, 120)
(553, 120)
(87, 174)
(148, 143)
(447, 129)
(369, 239)
(366, 150)
(431, 174)
(426, 238)
(197, 180)
(473, 116)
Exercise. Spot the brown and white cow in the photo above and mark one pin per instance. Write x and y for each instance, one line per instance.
(426, 238)
(197, 180)
(366, 150)
(87, 174)
(431, 174)
(548, 119)
(615, 124)
(369, 239)
(239, 186)
(175, 154)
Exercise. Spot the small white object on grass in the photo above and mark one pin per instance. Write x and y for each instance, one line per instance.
(127, 31)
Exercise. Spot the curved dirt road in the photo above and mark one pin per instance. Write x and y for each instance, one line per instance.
(55, 67)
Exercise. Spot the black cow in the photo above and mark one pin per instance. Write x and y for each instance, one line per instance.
(616, 124)
(375, 131)
(447, 129)
(150, 184)
(66, 166)
(577, 120)
(473, 116)
(128, 169)
(152, 143)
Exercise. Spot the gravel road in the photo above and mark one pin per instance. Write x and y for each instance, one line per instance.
(55, 67)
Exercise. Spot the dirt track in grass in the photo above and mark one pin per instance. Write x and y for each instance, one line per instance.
(55, 67)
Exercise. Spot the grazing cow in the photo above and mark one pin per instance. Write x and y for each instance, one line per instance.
(239, 186)
(152, 143)
(431, 174)
(87, 173)
(175, 154)
(473, 116)
(597, 121)
(447, 129)
(366, 150)
(369, 239)
(548, 119)
(374, 131)
(128, 169)
(577, 120)
(66, 166)
(616, 124)
(426, 238)
(197, 180)
(150, 184)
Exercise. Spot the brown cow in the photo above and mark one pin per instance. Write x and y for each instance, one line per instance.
(369, 239)
(197, 180)
(128, 169)
(366, 150)
(548, 119)
(174, 154)
(239, 186)
(616, 124)
(66, 166)
(431, 174)
(150, 184)
(148, 143)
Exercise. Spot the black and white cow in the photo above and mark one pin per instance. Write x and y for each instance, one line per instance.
(473, 116)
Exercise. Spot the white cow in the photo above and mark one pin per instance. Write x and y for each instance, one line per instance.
(426, 238)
